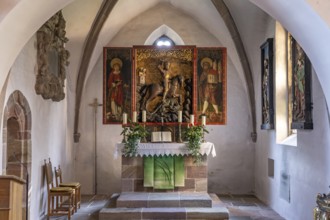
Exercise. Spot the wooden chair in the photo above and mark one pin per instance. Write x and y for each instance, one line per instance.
(58, 193)
(73, 185)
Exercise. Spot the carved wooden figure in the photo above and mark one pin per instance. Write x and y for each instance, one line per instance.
(267, 97)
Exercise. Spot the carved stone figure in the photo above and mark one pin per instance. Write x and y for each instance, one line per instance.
(52, 58)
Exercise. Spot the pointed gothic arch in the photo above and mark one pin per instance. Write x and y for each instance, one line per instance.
(17, 148)
(161, 31)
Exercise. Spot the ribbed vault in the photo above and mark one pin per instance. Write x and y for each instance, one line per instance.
(91, 40)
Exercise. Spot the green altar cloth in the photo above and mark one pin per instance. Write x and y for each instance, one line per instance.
(164, 172)
(179, 171)
(148, 164)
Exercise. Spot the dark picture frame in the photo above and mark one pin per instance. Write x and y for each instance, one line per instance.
(117, 83)
(301, 77)
(267, 85)
(212, 85)
(164, 83)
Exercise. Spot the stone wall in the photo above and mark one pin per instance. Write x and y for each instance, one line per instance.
(132, 176)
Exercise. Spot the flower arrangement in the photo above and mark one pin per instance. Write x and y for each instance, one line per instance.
(194, 136)
(132, 137)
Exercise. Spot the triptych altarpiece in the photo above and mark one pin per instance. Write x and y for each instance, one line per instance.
(163, 81)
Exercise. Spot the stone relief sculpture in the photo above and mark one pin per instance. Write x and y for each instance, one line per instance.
(52, 58)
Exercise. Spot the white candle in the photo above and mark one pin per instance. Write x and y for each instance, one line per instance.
(134, 117)
(180, 116)
(124, 118)
(144, 116)
(192, 119)
(203, 120)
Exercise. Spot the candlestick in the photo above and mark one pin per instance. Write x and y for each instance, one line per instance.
(203, 120)
(180, 138)
(144, 116)
(192, 119)
(134, 117)
(124, 135)
(144, 139)
(124, 118)
(179, 116)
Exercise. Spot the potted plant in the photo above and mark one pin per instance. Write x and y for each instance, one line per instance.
(132, 137)
(194, 136)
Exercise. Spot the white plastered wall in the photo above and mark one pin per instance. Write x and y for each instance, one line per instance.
(232, 140)
(48, 133)
(307, 164)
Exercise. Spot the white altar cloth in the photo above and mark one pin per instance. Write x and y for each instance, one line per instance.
(161, 149)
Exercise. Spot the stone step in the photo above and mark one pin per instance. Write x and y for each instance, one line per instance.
(163, 213)
(152, 200)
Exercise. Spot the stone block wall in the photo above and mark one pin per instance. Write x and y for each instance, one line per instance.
(132, 176)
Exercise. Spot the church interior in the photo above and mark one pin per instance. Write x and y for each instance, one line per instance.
(78, 76)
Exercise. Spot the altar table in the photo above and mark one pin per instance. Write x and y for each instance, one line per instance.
(161, 149)
(194, 178)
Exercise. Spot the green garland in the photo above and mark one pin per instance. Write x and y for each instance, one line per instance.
(194, 136)
(133, 135)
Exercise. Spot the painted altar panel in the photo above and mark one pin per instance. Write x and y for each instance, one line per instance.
(163, 83)
(117, 72)
(301, 68)
(212, 84)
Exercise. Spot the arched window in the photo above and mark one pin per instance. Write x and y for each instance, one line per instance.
(164, 41)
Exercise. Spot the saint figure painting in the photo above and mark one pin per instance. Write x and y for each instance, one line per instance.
(211, 84)
(116, 84)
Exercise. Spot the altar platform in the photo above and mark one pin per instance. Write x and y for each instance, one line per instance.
(163, 182)
(178, 205)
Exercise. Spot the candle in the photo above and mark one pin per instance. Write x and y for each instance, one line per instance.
(144, 116)
(134, 117)
(125, 118)
(192, 119)
(203, 120)
(180, 116)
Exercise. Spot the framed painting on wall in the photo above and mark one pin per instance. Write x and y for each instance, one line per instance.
(267, 97)
(301, 70)
(163, 83)
(117, 72)
(212, 84)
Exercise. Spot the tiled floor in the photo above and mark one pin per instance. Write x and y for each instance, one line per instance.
(240, 208)
(247, 208)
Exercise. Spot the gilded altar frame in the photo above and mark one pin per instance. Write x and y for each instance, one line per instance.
(164, 82)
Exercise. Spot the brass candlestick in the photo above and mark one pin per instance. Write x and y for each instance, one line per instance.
(179, 138)
(144, 139)
(124, 135)
(203, 140)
